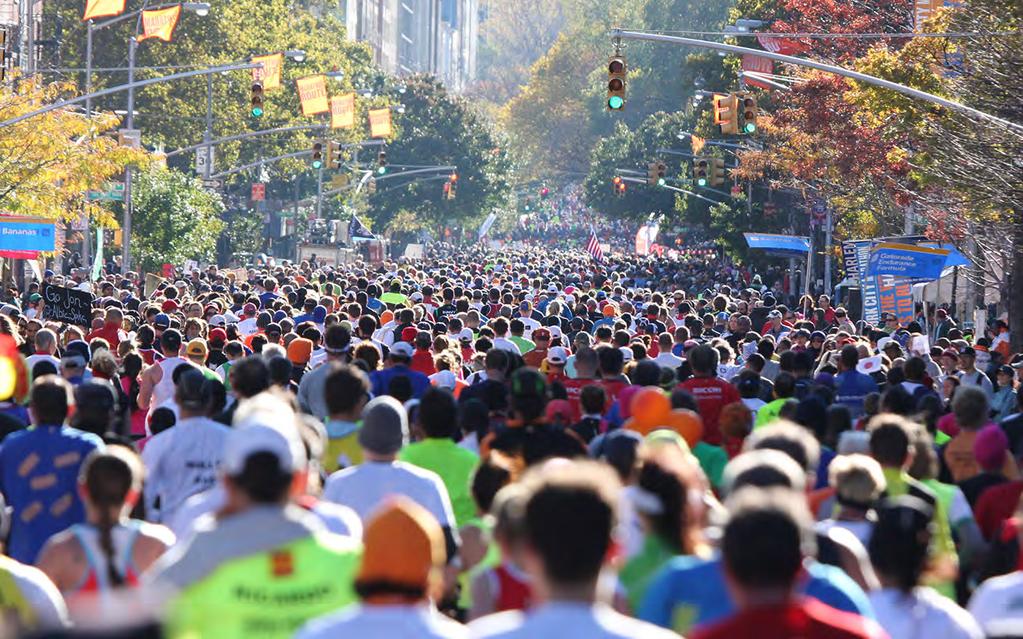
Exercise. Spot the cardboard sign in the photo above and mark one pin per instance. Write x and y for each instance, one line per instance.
(152, 282)
(67, 305)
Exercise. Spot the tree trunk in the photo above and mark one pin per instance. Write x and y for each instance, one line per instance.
(1015, 301)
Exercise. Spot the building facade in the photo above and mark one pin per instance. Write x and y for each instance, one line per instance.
(438, 37)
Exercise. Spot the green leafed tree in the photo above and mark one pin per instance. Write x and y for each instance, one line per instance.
(439, 129)
(175, 219)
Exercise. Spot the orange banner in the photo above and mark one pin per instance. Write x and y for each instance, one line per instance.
(379, 123)
(342, 111)
(923, 10)
(698, 143)
(160, 23)
(102, 9)
(312, 93)
(270, 73)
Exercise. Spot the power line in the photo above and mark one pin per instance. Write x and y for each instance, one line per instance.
(855, 36)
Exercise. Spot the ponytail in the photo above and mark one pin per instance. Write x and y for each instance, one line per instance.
(109, 477)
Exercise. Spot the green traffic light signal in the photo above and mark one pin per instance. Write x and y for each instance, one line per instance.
(615, 102)
(702, 181)
(661, 182)
(750, 127)
(257, 112)
(381, 170)
(317, 164)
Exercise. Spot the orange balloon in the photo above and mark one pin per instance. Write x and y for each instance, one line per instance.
(650, 407)
(687, 424)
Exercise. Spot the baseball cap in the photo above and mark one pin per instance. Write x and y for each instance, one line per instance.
(557, 356)
(218, 336)
(774, 314)
(401, 349)
(408, 334)
(242, 443)
(403, 545)
(162, 320)
(197, 348)
(444, 379)
(627, 354)
(169, 306)
(384, 426)
(249, 309)
(465, 335)
(541, 333)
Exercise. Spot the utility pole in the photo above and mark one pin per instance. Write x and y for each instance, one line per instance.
(828, 223)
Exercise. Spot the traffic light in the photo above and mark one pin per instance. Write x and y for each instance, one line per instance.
(726, 113)
(618, 186)
(334, 159)
(747, 113)
(717, 171)
(662, 173)
(317, 154)
(452, 185)
(256, 101)
(616, 83)
(382, 160)
(651, 173)
(701, 171)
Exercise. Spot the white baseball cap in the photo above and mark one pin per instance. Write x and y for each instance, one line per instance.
(402, 349)
(557, 356)
(247, 440)
(444, 379)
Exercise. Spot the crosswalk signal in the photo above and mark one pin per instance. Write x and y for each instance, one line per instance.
(382, 161)
(256, 101)
(616, 83)
(747, 113)
(717, 171)
(701, 171)
(318, 154)
(726, 113)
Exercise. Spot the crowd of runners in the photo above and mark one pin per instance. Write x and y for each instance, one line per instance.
(518, 444)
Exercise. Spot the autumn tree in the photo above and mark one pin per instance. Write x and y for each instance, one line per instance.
(49, 163)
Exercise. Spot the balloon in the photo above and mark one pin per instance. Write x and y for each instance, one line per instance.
(687, 424)
(650, 407)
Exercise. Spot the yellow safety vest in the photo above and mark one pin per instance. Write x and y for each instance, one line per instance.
(269, 595)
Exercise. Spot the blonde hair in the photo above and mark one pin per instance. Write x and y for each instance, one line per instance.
(856, 478)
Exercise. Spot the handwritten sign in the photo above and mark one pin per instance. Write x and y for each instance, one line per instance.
(67, 305)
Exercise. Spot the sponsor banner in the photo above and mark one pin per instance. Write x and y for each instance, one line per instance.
(27, 234)
(102, 9)
(908, 261)
(380, 123)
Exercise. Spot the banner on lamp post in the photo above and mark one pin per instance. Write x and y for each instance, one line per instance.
(342, 111)
(160, 23)
(380, 123)
(270, 73)
(102, 9)
(312, 93)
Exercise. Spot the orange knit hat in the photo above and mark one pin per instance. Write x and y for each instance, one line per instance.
(300, 350)
(403, 545)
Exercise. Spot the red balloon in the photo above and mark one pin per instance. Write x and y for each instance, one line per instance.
(650, 407)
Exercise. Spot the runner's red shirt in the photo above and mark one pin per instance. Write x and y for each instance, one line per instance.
(711, 394)
(574, 390)
(806, 618)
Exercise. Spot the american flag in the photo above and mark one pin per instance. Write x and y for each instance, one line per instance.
(593, 246)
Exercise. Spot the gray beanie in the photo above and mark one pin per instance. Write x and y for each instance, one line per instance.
(384, 426)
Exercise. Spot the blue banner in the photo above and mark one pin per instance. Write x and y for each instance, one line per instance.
(27, 234)
(783, 244)
(906, 261)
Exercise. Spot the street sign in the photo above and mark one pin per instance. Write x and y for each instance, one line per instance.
(213, 184)
(204, 160)
(131, 138)
(258, 192)
(340, 180)
(113, 192)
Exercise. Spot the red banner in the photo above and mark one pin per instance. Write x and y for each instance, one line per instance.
(757, 64)
(258, 192)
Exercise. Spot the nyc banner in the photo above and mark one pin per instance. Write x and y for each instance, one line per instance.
(102, 9)
(380, 123)
(27, 234)
(312, 93)
(160, 23)
(918, 263)
(342, 111)
(270, 73)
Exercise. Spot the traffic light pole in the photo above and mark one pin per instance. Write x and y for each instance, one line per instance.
(244, 136)
(319, 193)
(621, 34)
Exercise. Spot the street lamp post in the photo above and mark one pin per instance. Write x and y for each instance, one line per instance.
(200, 9)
